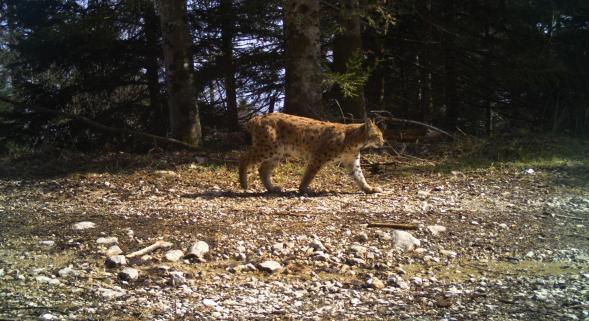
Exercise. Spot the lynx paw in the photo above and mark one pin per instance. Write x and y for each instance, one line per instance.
(373, 190)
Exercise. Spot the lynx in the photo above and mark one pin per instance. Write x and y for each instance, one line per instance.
(277, 135)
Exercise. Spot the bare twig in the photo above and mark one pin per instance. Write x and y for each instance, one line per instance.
(397, 226)
(151, 248)
(390, 117)
(99, 126)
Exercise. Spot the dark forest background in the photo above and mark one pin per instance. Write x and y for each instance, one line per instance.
(480, 67)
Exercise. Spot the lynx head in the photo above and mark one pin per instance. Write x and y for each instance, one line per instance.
(373, 134)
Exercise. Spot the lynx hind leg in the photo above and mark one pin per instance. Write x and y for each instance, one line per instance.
(244, 163)
(358, 176)
(265, 171)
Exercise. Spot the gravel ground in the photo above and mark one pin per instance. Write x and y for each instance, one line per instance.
(498, 243)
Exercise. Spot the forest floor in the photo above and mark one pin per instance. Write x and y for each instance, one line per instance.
(515, 244)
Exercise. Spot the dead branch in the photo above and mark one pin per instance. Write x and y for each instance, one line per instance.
(151, 248)
(99, 126)
(408, 121)
(397, 226)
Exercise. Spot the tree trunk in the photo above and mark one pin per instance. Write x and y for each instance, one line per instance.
(375, 87)
(451, 87)
(303, 69)
(184, 118)
(425, 72)
(347, 45)
(228, 32)
(158, 124)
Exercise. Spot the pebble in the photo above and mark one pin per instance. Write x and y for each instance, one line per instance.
(47, 243)
(174, 255)
(199, 249)
(358, 249)
(84, 225)
(129, 274)
(115, 260)
(113, 250)
(404, 240)
(48, 280)
(375, 283)
(47, 317)
(436, 229)
(270, 266)
(448, 253)
(317, 245)
(107, 240)
(111, 293)
(362, 237)
(176, 278)
(67, 271)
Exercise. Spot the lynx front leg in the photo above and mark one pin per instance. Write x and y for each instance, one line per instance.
(358, 176)
(312, 169)
(265, 171)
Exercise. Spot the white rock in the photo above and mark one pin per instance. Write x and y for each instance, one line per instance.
(111, 293)
(116, 260)
(404, 240)
(174, 255)
(358, 249)
(47, 243)
(47, 317)
(362, 237)
(107, 240)
(198, 249)
(177, 278)
(318, 246)
(164, 173)
(448, 253)
(44, 279)
(129, 274)
(452, 292)
(113, 250)
(375, 283)
(436, 229)
(270, 266)
(84, 225)
(503, 226)
(67, 271)
(209, 303)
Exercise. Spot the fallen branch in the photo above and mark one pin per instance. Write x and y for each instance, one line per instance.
(99, 126)
(408, 121)
(151, 248)
(397, 226)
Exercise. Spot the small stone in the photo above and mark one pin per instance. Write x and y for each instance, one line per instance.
(47, 317)
(270, 266)
(399, 270)
(404, 240)
(129, 274)
(209, 303)
(278, 247)
(47, 243)
(176, 278)
(450, 254)
(452, 292)
(320, 256)
(48, 280)
(84, 225)
(503, 226)
(164, 173)
(383, 235)
(250, 267)
(113, 250)
(530, 254)
(174, 255)
(240, 256)
(356, 261)
(362, 237)
(318, 246)
(417, 280)
(116, 260)
(111, 293)
(375, 283)
(67, 271)
(358, 249)
(107, 240)
(199, 249)
(436, 229)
